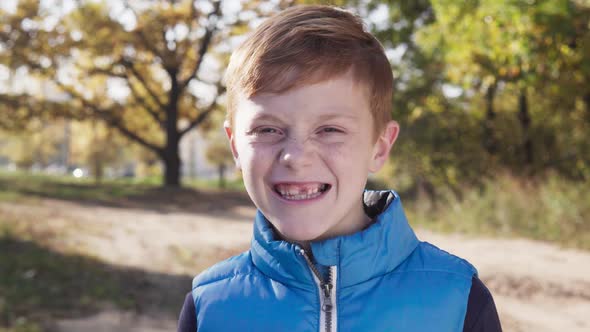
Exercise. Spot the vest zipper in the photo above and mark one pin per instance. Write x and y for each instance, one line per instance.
(327, 291)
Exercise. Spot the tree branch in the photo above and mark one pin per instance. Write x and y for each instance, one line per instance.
(205, 42)
(109, 117)
(128, 64)
(136, 95)
(200, 118)
(145, 104)
(146, 43)
(105, 72)
(204, 114)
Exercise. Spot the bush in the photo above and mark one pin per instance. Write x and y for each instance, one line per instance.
(548, 209)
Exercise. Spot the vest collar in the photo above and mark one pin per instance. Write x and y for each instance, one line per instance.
(372, 252)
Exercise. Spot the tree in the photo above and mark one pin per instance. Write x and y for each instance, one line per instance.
(138, 69)
(40, 144)
(516, 49)
(99, 148)
(219, 154)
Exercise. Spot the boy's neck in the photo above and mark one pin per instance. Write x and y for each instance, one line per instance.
(363, 221)
(355, 221)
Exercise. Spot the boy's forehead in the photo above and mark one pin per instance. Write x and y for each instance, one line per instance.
(336, 92)
(330, 99)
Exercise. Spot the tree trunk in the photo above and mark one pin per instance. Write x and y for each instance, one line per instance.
(171, 150)
(65, 152)
(172, 167)
(171, 157)
(525, 123)
(98, 170)
(221, 173)
(587, 103)
(489, 139)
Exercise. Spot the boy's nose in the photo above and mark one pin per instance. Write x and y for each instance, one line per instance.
(295, 154)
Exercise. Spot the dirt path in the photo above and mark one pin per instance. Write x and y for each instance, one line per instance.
(537, 287)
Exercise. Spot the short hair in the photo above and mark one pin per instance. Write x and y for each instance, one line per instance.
(310, 44)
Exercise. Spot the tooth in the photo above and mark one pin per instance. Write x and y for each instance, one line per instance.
(293, 192)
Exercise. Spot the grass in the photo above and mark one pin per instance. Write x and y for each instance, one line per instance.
(22, 325)
(551, 209)
(124, 192)
(213, 184)
(19, 185)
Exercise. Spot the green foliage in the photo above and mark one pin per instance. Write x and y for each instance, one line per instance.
(218, 151)
(39, 144)
(495, 54)
(549, 208)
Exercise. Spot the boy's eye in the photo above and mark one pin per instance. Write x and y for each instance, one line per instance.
(264, 132)
(268, 131)
(329, 130)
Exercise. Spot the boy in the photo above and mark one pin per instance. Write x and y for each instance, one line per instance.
(309, 99)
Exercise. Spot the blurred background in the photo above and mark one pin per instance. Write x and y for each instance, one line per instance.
(117, 185)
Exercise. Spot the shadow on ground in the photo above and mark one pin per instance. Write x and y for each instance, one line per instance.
(41, 286)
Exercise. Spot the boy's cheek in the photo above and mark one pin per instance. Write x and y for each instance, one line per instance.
(349, 154)
(256, 158)
(336, 150)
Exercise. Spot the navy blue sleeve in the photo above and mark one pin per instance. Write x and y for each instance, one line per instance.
(481, 313)
(187, 321)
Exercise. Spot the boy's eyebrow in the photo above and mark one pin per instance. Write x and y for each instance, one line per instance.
(337, 115)
(323, 117)
(267, 116)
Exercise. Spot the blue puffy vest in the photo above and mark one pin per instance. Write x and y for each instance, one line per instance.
(379, 279)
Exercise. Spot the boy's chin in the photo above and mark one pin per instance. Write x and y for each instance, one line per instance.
(297, 235)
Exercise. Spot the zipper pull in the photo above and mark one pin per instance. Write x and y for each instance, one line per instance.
(327, 289)
(327, 306)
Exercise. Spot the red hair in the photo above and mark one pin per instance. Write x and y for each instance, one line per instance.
(310, 44)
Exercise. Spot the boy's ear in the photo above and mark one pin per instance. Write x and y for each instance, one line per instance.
(383, 146)
(232, 142)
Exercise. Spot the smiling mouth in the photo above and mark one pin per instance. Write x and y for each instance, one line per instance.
(299, 192)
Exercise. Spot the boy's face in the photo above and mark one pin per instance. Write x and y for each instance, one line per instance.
(305, 156)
